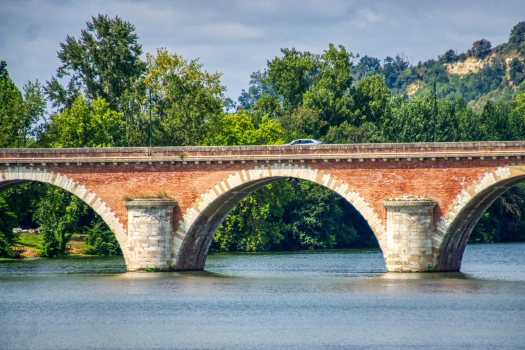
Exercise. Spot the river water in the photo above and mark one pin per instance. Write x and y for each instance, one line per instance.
(313, 300)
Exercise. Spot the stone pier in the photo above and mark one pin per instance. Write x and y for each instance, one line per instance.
(410, 229)
(150, 227)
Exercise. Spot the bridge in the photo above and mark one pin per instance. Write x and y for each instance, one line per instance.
(421, 200)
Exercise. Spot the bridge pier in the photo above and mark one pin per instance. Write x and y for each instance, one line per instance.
(150, 229)
(410, 229)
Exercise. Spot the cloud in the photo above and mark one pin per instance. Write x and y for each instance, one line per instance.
(237, 37)
(230, 31)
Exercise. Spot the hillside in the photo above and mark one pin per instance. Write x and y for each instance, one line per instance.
(483, 73)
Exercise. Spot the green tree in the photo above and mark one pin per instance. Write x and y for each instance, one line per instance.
(329, 93)
(239, 129)
(103, 64)
(58, 215)
(495, 122)
(187, 100)
(256, 223)
(517, 37)
(413, 120)
(302, 123)
(256, 90)
(291, 75)
(33, 112)
(347, 133)
(23, 200)
(480, 49)
(11, 110)
(372, 103)
(7, 223)
(315, 217)
(82, 125)
(100, 239)
(516, 71)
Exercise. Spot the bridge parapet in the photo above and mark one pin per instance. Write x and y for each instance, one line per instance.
(281, 153)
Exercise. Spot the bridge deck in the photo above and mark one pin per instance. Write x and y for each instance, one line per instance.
(345, 152)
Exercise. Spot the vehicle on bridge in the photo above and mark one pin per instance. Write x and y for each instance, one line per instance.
(305, 142)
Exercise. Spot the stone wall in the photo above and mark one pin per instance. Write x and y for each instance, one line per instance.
(150, 234)
(410, 231)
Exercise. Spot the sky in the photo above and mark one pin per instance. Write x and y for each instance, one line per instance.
(239, 37)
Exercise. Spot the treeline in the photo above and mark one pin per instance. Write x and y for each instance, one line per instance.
(497, 73)
(110, 94)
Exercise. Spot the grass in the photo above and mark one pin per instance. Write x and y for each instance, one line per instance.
(28, 240)
(160, 195)
(32, 240)
(78, 241)
(8, 259)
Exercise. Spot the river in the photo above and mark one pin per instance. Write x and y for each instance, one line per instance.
(303, 300)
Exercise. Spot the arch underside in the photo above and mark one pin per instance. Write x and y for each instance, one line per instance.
(14, 176)
(193, 250)
(460, 227)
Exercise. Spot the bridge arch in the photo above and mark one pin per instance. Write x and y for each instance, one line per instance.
(17, 175)
(455, 227)
(193, 238)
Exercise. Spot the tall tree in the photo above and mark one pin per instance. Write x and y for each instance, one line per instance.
(58, 215)
(187, 99)
(103, 63)
(329, 93)
(18, 114)
(7, 223)
(11, 109)
(291, 75)
(257, 88)
(239, 129)
(517, 37)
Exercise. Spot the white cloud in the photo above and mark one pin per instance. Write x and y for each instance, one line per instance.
(238, 37)
(230, 31)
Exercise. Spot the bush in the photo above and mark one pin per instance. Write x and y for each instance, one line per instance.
(7, 223)
(101, 240)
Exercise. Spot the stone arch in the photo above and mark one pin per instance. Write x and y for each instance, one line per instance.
(193, 238)
(13, 176)
(455, 227)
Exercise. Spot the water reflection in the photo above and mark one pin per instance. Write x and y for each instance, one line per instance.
(320, 300)
(423, 276)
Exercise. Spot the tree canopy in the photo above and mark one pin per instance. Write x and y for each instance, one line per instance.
(103, 63)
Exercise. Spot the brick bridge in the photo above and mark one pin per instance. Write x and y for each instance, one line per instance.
(421, 200)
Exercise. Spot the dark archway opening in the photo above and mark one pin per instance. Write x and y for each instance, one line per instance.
(485, 218)
(504, 219)
(293, 214)
(50, 222)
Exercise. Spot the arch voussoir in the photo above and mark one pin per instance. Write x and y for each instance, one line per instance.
(18, 174)
(206, 214)
(455, 226)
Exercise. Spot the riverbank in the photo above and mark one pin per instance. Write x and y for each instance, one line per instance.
(29, 241)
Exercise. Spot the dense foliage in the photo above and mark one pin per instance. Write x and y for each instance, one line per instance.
(480, 75)
(7, 224)
(115, 99)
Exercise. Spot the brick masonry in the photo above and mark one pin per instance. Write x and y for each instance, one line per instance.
(207, 182)
(150, 234)
(410, 230)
